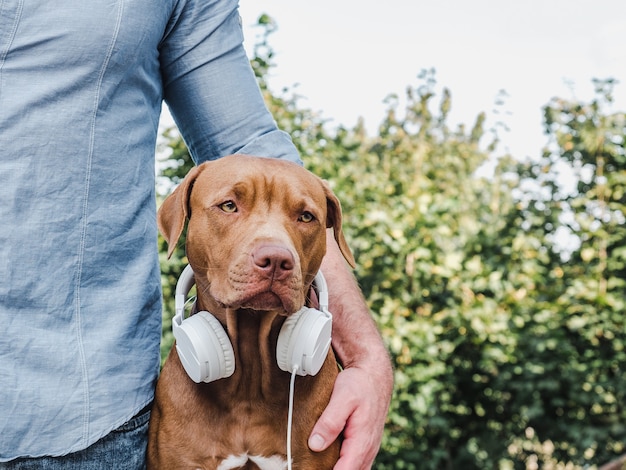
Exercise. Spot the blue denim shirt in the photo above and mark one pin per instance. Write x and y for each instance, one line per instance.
(81, 87)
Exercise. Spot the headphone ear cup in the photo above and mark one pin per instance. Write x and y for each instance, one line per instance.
(204, 348)
(304, 341)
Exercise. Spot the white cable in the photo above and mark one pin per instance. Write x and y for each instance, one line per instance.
(290, 414)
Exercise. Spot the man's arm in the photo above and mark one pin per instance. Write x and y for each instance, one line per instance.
(211, 88)
(362, 392)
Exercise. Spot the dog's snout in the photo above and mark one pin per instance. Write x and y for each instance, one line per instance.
(274, 261)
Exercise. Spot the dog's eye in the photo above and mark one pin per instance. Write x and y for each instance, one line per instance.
(306, 217)
(228, 206)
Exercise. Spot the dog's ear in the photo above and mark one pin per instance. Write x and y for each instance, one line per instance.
(175, 210)
(333, 220)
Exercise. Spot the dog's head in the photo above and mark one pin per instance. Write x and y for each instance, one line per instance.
(257, 230)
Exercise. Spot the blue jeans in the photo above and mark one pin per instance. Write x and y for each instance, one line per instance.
(122, 449)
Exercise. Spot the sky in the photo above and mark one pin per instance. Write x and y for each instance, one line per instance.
(346, 56)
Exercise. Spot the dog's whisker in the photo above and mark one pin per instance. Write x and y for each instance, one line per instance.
(204, 290)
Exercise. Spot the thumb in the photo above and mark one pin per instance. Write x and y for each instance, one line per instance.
(332, 421)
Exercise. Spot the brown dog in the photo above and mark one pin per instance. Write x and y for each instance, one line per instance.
(256, 237)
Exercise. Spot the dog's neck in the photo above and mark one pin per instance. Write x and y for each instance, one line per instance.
(253, 335)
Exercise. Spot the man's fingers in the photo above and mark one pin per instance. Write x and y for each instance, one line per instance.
(353, 411)
(333, 420)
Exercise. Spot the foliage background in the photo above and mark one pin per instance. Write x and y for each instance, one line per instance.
(500, 297)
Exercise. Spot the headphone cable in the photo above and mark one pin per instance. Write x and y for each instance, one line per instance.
(290, 414)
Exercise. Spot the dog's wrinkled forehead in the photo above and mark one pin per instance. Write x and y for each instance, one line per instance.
(244, 177)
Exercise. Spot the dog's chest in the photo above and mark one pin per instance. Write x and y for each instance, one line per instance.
(236, 462)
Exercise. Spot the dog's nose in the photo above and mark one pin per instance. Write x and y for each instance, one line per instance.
(275, 262)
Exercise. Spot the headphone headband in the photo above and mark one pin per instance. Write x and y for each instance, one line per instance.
(321, 287)
(187, 280)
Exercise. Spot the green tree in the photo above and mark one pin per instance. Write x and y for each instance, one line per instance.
(588, 141)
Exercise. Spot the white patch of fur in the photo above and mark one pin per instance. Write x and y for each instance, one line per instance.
(233, 462)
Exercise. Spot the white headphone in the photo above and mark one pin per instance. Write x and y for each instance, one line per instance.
(206, 353)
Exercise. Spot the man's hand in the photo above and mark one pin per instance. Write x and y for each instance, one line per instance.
(362, 393)
(359, 411)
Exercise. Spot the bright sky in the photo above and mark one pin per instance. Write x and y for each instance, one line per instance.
(347, 55)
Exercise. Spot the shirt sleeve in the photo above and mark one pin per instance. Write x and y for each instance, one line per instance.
(211, 89)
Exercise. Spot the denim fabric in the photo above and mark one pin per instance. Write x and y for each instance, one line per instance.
(81, 89)
(122, 449)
